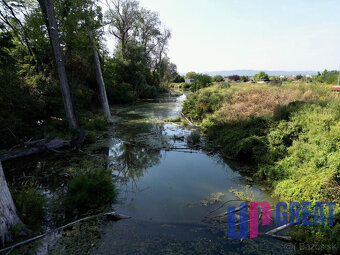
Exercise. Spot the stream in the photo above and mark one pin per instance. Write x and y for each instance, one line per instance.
(171, 194)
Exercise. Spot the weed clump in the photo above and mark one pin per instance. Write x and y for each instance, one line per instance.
(89, 190)
(175, 119)
(31, 206)
(194, 138)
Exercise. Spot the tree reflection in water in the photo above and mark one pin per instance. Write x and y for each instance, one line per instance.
(129, 159)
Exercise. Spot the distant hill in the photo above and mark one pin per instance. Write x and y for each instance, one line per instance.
(252, 72)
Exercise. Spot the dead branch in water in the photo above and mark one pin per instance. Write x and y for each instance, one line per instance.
(111, 215)
(274, 231)
(40, 146)
(186, 119)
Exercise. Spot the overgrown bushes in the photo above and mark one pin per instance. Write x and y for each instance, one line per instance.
(89, 190)
(291, 135)
(31, 206)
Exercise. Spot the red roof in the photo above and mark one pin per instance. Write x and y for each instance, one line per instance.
(336, 88)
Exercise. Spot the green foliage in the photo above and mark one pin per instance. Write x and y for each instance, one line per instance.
(201, 81)
(19, 103)
(29, 86)
(190, 75)
(224, 85)
(175, 119)
(89, 190)
(178, 79)
(218, 78)
(235, 136)
(260, 76)
(327, 237)
(283, 112)
(203, 102)
(329, 77)
(251, 149)
(244, 78)
(121, 93)
(298, 77)
(194, 138)
(147, 91)
(297, 150)
(31, 206)
(96, 124)
(91, 137)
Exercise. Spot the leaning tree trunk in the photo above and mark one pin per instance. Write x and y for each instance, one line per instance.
(51, 23)
(8, 215)
(101, 85)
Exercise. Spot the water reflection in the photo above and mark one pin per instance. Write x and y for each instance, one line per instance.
(129, 161)
(169, 192)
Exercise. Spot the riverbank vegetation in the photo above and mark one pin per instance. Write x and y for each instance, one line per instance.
(290, 134)
(57, 78)
(30, 99)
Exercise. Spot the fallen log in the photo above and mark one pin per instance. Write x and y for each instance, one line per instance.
(273, 232)
(110, 215)
(52, 145)
(187, 119)
(35, 142)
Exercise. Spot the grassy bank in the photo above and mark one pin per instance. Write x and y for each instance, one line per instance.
(289, 133)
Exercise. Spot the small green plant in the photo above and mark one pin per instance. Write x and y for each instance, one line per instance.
(31, 206)
(96, 124)
(91, 137)
(185, 123)
(175, 119)
(224, 85)
(194, 138)
(90, 190)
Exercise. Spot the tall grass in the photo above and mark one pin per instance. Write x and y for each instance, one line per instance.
(290, 133)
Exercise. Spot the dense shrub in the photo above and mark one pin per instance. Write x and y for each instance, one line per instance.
(31, 206)
(175, 119)
(291, 135)
(235, 135)
(251, 149)
(148, 92)
(89, 190)
(194, 138)
(201, 81)
(218, 78)
(97, 123)
(121, 93)
(283, 112)
(203, 102)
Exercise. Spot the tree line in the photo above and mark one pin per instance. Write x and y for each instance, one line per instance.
(54, 61)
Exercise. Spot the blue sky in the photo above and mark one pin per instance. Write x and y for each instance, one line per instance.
(214, 35)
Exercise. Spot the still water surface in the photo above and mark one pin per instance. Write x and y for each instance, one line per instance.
(169, 193)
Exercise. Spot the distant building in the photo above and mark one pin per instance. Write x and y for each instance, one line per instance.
(308, 76)
(189, 81)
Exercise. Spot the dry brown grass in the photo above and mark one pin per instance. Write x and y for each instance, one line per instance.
(256, 101)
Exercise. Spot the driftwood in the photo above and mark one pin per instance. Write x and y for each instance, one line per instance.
(273, 232)
(39, 146)
(110, 215)
(35, 142)
(187, 119)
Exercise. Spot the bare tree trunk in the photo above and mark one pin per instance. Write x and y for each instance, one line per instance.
(101, 85)
(8, 214)
(51, 23)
